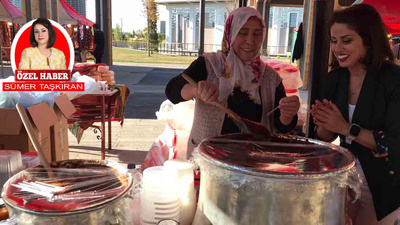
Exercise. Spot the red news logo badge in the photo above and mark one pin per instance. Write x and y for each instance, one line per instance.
(45, 86)
(43, 80)
(43, 75)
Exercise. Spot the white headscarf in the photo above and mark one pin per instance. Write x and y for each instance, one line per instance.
(228, 67)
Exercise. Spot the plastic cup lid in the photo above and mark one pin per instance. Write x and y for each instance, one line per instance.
(168, 222)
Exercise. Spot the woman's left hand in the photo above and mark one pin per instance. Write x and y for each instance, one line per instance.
(328, 116)
(289, 106)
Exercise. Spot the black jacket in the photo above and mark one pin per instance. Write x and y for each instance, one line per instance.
(378, 108)
(98, 39)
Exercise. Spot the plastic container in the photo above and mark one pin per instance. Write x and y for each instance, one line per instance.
(185, 189)
(159, 199)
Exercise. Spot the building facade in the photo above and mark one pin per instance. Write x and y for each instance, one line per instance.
(179, 20)
(283, 22)
(78, 5)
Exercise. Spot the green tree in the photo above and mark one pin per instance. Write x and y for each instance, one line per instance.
(152, 16)
(161, 37)
(153, 36)
(140, 34)
(127, 36)
(117, 34)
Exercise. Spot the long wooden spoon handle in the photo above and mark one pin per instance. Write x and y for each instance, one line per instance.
(227, 110)
(218, 104)
(189, 79)
(31, 133)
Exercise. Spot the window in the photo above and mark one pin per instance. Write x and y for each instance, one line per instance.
(209, 19)
(177, 16)
(293, 20)
(173, 27)
(208, 22)
(162, 27)
(292, 25)
(197, 29)
(271, 17)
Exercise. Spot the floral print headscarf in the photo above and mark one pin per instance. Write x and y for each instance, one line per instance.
(229, 68)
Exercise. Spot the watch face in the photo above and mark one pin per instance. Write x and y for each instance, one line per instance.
(354, 130)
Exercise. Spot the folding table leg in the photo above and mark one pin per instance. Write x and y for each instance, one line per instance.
(109, 123)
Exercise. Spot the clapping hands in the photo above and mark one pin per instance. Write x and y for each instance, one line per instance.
(327, 115)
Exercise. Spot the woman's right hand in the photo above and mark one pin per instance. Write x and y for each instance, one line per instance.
(318, 114)
(207, 92)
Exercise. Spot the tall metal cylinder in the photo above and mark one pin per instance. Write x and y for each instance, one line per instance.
(257, 183)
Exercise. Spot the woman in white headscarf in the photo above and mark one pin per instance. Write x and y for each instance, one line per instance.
(236, 77)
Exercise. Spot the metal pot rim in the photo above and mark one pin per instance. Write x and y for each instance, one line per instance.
(283, 175)
(64, 213)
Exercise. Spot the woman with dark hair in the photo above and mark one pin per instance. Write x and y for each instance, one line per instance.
(236, 77)
(361, 103)
(42, 55)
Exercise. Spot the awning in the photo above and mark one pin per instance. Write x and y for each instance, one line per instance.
(390, 13)
(10, 13)
(68, 15)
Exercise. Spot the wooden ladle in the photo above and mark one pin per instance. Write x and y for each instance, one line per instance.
(246, 126)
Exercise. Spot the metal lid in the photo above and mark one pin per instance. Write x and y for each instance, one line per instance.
(284, 155)
(72, 186)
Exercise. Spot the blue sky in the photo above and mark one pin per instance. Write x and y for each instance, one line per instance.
(129, 11)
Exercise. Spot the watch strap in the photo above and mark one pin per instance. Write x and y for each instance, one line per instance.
(349, 137)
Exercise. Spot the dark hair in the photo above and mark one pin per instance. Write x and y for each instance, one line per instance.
(96, 26)
(52, 33)
(367, 22)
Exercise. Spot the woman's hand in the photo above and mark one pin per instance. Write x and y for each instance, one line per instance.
(327, 115)
(207, 92)
(289, 106)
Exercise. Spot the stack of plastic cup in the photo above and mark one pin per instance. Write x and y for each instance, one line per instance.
(159, 199)
(185, 188)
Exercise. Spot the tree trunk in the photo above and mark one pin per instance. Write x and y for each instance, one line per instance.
(148, 37)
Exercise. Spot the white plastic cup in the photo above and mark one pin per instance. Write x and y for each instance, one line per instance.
(185, 189)
(159, 199)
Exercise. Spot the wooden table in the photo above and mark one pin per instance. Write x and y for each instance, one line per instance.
(104, 96)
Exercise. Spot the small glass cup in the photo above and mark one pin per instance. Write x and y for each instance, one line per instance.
(103, 85)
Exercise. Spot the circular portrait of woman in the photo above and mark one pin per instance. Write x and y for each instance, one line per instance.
(42, 44)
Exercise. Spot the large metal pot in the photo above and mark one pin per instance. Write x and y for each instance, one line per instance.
(288, 181)
(115, 210)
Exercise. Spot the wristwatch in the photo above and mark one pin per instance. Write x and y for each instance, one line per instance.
(352, 133)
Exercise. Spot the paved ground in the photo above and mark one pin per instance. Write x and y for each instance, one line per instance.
(131, 142)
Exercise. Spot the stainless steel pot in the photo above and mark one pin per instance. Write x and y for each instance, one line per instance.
(116, 210)
(290, 181)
